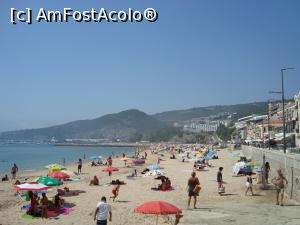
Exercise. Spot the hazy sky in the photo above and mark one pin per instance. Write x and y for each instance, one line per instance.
(198, 53)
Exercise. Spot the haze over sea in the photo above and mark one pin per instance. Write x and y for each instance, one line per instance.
(37, 156)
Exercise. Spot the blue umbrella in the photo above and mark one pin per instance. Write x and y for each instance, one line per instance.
(94, 157)
(154, 167)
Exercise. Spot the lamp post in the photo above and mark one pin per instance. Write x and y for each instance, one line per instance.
(283, 112)
(269, 145)
(269, 137)
(283, 105)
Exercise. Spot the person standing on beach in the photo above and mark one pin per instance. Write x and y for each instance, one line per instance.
(193, 181)
(279, 181)
(103, 210)
(79, 165)
(267, 171)
(14, 171)
(220, 179)
(109, 160)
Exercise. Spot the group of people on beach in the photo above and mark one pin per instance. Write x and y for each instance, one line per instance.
(103, 212)
(40, 206)
(279, 182)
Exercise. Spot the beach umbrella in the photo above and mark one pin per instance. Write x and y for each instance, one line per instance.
(68, 172)
(96, 157)
(125, 158)
(154, 167)
(31, 186)
(138, 161)
(49, 181)
(110, 169)
(59, 175)
(157, 208)
(55, 167)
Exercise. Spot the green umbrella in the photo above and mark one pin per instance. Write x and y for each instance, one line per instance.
(55, 167)
(49, 181)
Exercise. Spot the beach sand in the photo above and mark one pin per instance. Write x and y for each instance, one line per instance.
(232, 208)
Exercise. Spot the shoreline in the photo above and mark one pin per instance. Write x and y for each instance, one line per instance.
(70, 166)
(135, 145)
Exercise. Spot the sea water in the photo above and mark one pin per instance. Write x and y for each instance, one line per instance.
(29, 157)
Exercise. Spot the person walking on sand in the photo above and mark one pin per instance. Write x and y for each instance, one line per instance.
(14, 171)
(103, 210)
(249, 184)
(79, 165)
(279, 181)
(193, 182)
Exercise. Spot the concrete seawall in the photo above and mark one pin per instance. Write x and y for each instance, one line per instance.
(289, 163)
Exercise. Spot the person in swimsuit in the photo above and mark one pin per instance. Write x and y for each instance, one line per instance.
(115, 192)
(279, 181)
(79, 166)
(192, 182)
(14, 171)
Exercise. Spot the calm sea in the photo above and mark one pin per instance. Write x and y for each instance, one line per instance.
(32, 157)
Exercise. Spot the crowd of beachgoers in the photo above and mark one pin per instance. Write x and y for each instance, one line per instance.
(59, 191)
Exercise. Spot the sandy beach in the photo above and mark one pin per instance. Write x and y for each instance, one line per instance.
(232, 208)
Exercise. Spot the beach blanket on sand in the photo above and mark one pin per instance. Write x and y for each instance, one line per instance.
(62, 211)
(153, 173)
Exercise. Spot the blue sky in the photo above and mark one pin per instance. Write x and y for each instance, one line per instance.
(198, 53)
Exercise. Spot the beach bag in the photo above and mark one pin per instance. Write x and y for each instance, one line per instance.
(221, 190)
(197, 189)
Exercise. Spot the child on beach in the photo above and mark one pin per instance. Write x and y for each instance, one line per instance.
(115, 192)
(249, 185)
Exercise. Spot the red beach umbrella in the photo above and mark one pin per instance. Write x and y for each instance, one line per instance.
(58, 175)
(157, 208)
(110, 169)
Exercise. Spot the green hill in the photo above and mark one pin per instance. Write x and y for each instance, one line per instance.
(133, 125)
(240, 110)
(128, 125)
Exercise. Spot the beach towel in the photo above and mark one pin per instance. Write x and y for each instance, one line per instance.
(62, 211)
(73, 179)
(27, 216)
